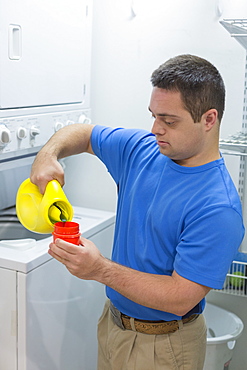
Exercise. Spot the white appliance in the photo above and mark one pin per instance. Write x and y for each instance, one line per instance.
(48, 318)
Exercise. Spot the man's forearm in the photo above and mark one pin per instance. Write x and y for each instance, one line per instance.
(70, 140)
(172, 294)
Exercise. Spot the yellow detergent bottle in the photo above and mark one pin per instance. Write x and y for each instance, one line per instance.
(38, 212)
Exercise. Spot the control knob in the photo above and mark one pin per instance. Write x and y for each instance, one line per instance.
(34, 131)
(84, 119)
(21, 133)
(5, 136)
(58, 126)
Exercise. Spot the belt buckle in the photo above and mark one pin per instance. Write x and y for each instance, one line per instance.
(117, 316)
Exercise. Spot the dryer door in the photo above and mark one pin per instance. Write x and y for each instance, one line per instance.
(42, 52)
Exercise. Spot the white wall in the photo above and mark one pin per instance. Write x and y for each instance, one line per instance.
(128, 43)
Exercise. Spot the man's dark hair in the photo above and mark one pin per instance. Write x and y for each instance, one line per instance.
(198, 81)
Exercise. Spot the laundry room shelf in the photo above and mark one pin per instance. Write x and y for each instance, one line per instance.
(236, 279)
(235, 144)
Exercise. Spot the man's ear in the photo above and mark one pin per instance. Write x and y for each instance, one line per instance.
(210, 118)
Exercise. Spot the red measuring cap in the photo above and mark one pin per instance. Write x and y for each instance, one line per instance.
(67, 231)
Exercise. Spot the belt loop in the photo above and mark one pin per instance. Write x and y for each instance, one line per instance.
(132, 323)
(180, 324)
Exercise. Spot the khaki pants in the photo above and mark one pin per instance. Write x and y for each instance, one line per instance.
(128, 350)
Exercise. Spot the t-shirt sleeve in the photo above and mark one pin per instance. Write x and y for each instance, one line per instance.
(207, 246)
(115, 146)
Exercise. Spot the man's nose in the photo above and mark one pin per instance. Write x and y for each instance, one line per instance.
(158, 128)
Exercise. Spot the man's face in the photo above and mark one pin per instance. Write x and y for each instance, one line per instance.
(177, 135)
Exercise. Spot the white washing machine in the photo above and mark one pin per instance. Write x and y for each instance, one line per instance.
(48, 316)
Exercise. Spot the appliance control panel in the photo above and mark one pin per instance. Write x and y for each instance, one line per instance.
(22, 135)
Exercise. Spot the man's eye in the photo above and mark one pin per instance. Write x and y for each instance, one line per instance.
(163, 120)
(168, 123)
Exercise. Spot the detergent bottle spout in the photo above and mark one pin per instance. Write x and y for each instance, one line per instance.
(56, 213)
(39, 212)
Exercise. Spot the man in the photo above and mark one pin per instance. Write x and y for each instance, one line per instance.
(178, 224)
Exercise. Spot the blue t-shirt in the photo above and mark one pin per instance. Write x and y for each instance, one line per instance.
(169, 217)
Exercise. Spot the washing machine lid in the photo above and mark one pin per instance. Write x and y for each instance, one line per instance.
(28, 253)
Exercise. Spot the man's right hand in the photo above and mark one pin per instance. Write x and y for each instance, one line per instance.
(44, 169)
